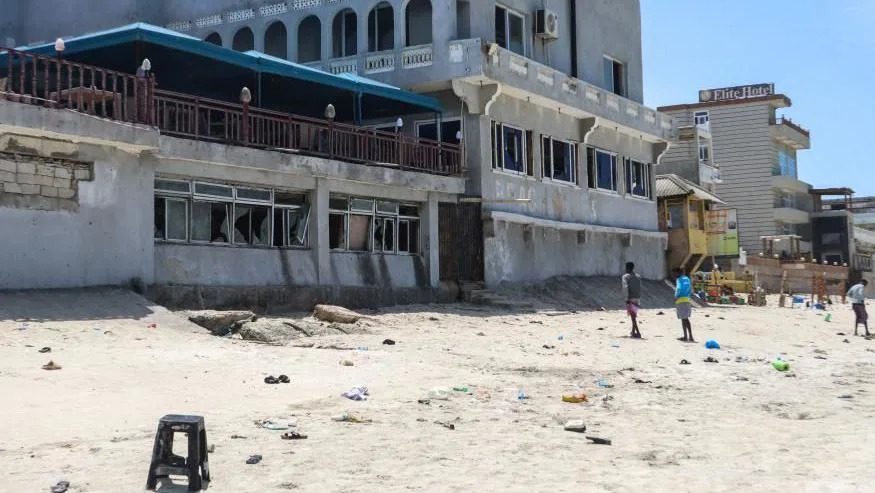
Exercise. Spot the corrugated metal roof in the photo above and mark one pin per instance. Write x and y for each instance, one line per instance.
(674, 186)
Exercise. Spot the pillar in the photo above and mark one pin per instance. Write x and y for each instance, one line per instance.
(431, 250)
(319, 232)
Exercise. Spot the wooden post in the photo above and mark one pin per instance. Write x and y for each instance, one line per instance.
(245, 122)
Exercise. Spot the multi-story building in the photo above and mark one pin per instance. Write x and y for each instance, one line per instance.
(546, 96)
(756, 150)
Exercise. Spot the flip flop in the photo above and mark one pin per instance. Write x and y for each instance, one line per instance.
(254, 459)
(283, 379)
(45, 350)
(60, 487)
(293, 435)
(271, 380)
(710, 359)
(685, 362)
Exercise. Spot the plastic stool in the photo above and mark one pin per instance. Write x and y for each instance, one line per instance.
(195, 466)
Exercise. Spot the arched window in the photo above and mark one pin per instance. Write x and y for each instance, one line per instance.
(214, 38)
(417, 19)
(244, 40)
(344, 34)
(310, 40)
(381, 28)
(276, 40)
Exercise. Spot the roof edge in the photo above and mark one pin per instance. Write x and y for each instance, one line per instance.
(688, 106)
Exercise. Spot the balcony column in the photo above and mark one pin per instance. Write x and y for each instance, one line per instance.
(319, 245)
(430, 250)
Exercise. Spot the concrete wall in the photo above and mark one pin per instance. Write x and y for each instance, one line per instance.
(522, 253)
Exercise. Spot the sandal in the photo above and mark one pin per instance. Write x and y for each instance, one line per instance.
(293, 435)
(45, 350)
(710, 359)
(283, 379)
(60, 487)
(270, 380)
(685, 362)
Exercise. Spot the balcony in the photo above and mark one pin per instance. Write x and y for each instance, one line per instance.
(790, 134)
(788, 213)
(789, 184)
(478, 65)
(382, 62)
(709, 173)
(55, 83)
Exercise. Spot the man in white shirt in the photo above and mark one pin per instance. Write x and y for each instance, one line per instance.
(857, 295)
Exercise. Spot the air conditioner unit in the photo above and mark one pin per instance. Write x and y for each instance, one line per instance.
(546, 24)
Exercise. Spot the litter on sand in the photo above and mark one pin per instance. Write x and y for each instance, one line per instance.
(574, 398)
(599, 441)
(254, 459)
(356, 394)
(575, 425)
(51, 365)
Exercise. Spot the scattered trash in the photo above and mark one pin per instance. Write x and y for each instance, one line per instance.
(780, 365)
(271, 380)
(347, 417)
(575, 425)
(293, 435)
(846, 341)
(21, 328)
(361, 348)
(827, 317)
(238, 437)
(710, 359)
(660, 313)
(424, 402)
(481, 334)
(152, 326)
(45, 350)
(461, 388)
(741, 379)
(254, 459)
(846, 396)
(356, 394)
(819, 357)
(545, 346)
(561, 338)
(712, 344)
(605, 385)
(574, 398)
(283, 379)
(522, 395)
(615, 345)
(60, 487)
(269, 424)
(433, 319)
(638, 380)
(599, 441)
(346, 362)
(449, 426)
(685, 362)
(840, 333)
(211, 448)
(388, 342)
(51, 365)
(439, 393)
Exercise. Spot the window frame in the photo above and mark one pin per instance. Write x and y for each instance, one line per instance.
(647, 171)
(624, 76)
(575, 160)
(375, 216)
(703, 145)
(528, 168)
(376, 31)
(614, 175)
(508, 12)
(702, 113)
(185, 202)
(439, 128)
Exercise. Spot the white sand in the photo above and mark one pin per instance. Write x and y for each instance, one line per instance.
(694, 428)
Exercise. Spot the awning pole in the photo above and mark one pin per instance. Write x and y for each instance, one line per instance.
(357, 108)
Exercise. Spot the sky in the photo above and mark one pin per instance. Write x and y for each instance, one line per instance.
(819, 53)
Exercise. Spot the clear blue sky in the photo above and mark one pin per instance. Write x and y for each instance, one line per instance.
(817, 52)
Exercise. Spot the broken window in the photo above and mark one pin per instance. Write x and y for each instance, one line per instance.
(510, 150)
(291, 220)
(637, 178)
(560, 159)
(615, 76)
(365, 225)
(602, 167)
(510, 30)
(251, 225)
(171, 219)
(209, 222)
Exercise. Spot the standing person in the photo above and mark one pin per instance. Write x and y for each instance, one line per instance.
(683, 303)
(857, 295)
(632, 290)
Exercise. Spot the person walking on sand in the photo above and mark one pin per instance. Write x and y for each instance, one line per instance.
(632, 290)
(857, 295)
(683, 303)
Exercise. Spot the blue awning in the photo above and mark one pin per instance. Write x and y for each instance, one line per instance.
(102, 41)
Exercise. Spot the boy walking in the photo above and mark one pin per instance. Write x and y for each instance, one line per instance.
(857, 295)
(683, 303)
(632, 290)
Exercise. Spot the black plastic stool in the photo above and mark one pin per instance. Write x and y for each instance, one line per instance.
(196, 466)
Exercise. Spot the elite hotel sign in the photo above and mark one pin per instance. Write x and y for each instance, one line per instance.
(736, 93)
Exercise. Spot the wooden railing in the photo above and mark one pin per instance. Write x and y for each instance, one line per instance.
(58, 83)
(188, 116)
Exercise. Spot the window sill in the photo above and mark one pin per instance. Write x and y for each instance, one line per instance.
(226, 245)
(602, 191)
(639, 199)
(499, 171)
(375, 253)
(561, 183)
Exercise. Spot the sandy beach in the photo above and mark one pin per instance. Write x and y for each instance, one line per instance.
(734, 425)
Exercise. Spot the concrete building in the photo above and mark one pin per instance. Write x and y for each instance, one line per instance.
(756, 149)
(558, 169)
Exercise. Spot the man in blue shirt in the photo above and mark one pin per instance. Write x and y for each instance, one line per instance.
(683, 302)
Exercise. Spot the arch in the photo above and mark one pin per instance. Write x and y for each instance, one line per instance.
(276, 40)
(244, 40)
(344, 34)
(381, 27)
(417, 23)
(214, 38)
(310, 40)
